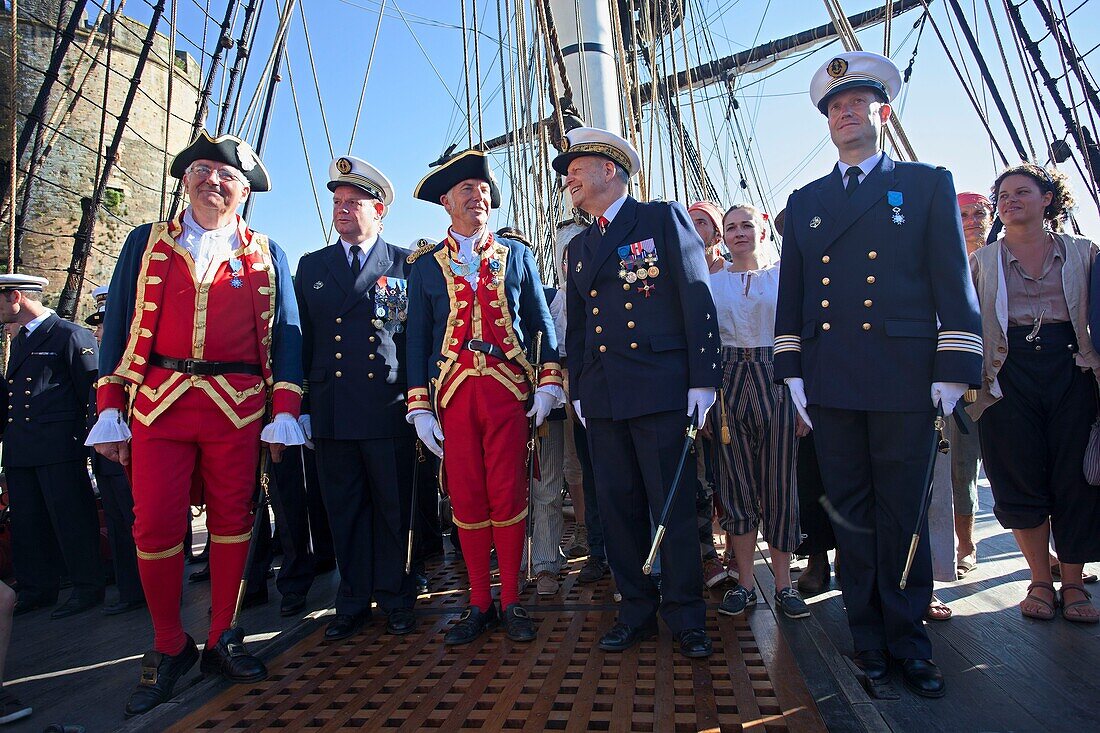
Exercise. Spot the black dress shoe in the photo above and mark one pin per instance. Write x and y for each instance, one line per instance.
(320, 567)
(292, 604)
(923, 677)
(200, 576)
(694, 643)
(159, 674)
(231, 660)
(594, 570)
(420, 581)
(27, 602)
(815, 578)
(517, 624)
(873, 663)
(621, 637)
(400, 621)
(471, 624)
(343, 625)
(119, 607)
(77, 603)
(254, 598)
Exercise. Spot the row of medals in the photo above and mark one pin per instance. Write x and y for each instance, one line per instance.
(391, 309)
(646, 270)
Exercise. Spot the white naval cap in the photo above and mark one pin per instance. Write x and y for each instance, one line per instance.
(18, 281)
(351, 171)
(594, 141)
(100, 295)
(854, 69)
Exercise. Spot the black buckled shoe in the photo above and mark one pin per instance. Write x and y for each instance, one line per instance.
(27, 602)
(159, 674)
(471, 624)
(873, 663)
(344, 625)
(518, 624)
(79, 602)
(400, 621)
(292, 604)
(923, 677)
(694, 643)
(231, 660)
(621, 637)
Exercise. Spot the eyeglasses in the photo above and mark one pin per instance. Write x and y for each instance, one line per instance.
(224, 174)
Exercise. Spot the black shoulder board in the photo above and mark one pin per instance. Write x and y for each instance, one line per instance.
(423, 246)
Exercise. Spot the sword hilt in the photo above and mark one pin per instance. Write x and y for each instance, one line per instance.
(647, 568)
(909, 561)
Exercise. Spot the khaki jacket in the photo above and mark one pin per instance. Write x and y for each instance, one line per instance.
(987, 267)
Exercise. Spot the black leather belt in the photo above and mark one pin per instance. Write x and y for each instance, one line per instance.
(205, 368)
(485, 348)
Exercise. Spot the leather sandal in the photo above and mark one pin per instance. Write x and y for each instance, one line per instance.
(1077, 618)
(937, 610)
(1048, 608)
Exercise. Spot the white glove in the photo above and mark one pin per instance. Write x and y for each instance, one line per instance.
(306, 423)
(577, 410)
(283, 430)
(109, 428)
(429, 432)
(700, 400)
(544, 403)
(797, 389)
(947, 394)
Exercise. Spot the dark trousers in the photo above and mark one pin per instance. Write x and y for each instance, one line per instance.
(320, 533)
(428, 537)
(817, 530)
(55, 525)
(290, 503)
(874, 465)
(591, 501)
(634, 463)
(367, 487)
(118, 511)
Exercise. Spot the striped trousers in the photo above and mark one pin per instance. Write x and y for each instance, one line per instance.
(757, 471)
(547, 522)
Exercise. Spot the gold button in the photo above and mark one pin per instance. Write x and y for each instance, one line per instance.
(825, 281)
(27, 392)
(825, 326)
(599, 329)
(592, 293)
(339, 355)
(867, 303)
(825, 259)
(628, 305)
(630, 324)
(603, 348)
(866, 326)
(339, 374)
(870, 279)
(371, 339)
(595, 311)
(626, 286)
(370, 375)
(339, 320)
(872, 255)
(370, 356)
(824, 304)
(633, 345)
(338, 337)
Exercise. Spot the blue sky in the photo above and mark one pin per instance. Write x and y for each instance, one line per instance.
(410, 114)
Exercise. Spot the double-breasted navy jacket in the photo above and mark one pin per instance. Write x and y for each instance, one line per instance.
(875, 297)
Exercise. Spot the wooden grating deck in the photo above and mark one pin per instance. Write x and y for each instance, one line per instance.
(375, 681)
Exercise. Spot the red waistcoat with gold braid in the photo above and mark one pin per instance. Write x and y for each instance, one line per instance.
(483, 315)
(224, 314)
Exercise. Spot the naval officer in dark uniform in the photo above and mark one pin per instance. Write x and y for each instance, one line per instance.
(642, 352)
(353, 301)
(877, 325)
(55, 525)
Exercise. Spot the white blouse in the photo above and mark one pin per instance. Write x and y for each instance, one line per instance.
(745, 302)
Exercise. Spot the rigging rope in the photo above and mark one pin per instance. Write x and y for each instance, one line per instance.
(366, 77)
(466, 73)
(13, 108)
(168, 107)
(305, 147)
(477, 69)
(316, 81)
(1011, 80)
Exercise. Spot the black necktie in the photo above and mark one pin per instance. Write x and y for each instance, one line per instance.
(355, 266)
(852, 174)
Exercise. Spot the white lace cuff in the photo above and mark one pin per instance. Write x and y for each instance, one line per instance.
(284, 430)
(109, 428)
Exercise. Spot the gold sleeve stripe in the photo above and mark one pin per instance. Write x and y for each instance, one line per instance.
(178, 549)
(231, 539)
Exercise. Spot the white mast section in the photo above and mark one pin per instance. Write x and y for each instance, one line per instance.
(587, 45)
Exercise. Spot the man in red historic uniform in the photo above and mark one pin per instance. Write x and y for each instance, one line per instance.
(200, 334)
(475, 305)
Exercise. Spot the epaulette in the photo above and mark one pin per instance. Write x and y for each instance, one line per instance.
(423, 246)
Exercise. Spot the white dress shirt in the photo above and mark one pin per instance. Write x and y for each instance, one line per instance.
(613, 209)
(866, 166)
(30, 326)
(365, 248)
(745, 303)
(207, 245)
(466, 254)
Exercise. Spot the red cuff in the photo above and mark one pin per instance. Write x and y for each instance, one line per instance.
(550, 376)
(286, 397)
(110, 393)
(417, 399)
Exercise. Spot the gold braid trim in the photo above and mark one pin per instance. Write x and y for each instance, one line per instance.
(222, 539)
(509, 522)
(475, 525)
(163, 554)
(423, 247)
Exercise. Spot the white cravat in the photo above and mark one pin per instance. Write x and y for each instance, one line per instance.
(466, 254)
(207, 245)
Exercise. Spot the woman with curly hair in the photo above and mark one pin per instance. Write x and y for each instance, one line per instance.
(1038, 395)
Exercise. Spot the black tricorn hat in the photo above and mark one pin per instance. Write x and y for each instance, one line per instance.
(465, 165)
(228, 149)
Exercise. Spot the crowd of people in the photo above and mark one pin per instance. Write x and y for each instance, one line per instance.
(813, 389)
